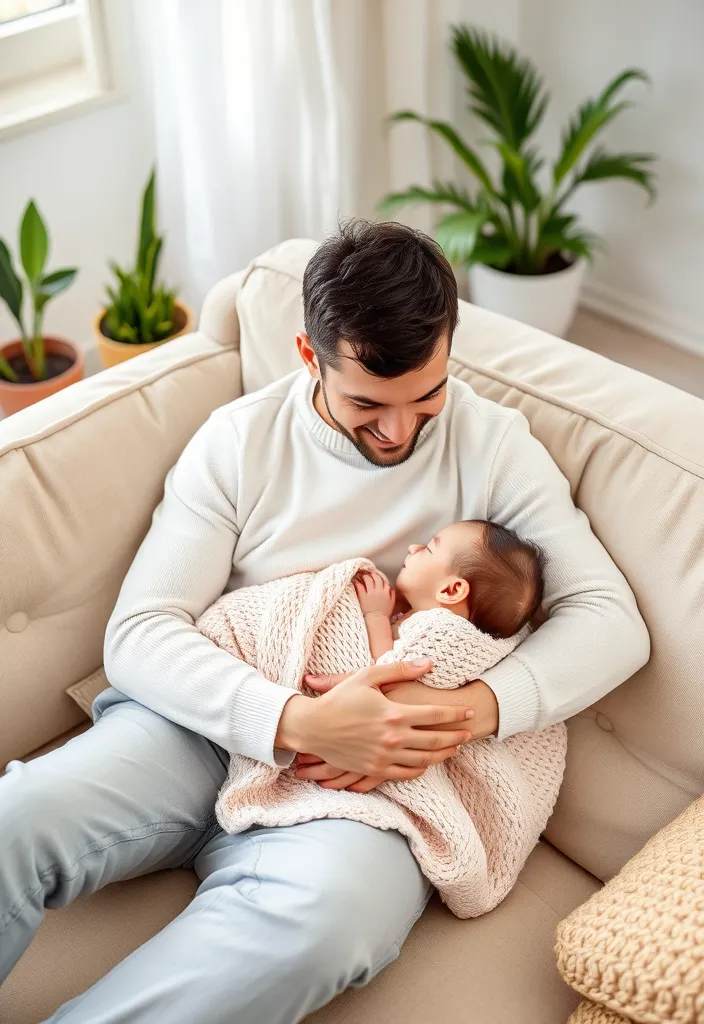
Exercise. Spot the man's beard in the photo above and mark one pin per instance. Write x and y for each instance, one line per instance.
(366, 450)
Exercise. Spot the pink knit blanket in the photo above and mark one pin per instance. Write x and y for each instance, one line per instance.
(470, 822)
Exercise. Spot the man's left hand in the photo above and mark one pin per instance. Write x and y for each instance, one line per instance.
(475, 695)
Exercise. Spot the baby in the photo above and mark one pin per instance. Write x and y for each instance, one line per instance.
(464, 601)
(475, 569)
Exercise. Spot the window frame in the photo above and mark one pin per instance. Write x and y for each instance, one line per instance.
(65, 49)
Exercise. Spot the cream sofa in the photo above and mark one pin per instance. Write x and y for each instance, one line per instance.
(80, 474)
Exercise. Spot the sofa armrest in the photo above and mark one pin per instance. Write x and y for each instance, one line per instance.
(80, 475)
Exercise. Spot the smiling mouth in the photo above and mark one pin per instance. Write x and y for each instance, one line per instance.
(382, 442)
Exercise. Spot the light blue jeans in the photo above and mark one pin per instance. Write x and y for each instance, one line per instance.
(283, 920)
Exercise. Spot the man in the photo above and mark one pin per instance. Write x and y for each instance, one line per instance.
(366, 449)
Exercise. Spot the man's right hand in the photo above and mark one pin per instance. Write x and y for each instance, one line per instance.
(355, 727)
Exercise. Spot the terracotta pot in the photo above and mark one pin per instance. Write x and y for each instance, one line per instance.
(114, 352)
(14, 397)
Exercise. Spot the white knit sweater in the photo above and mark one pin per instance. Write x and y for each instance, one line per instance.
(266, 489)
(470, 822)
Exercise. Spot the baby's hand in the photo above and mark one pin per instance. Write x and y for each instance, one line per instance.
(376, 596)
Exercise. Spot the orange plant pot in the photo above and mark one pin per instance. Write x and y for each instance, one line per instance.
(113, 352)
(14, 397)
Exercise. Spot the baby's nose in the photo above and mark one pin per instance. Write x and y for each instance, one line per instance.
(413, 548)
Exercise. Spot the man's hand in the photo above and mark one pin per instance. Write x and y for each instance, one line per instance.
(484, 713)
(478, 698)
(355, 727)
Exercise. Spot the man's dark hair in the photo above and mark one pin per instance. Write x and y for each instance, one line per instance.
(505, 577)
(386, 289)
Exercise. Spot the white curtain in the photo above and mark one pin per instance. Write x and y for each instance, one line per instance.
(269, 118)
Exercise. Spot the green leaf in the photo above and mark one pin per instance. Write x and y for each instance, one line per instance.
(34, 242)
(505, 89)
(589, 120)
(582, 243)
(632, 166)
(6, 371)
(395, 201)
(10, 285)
(457, 234)
(518, 172)
(147, 228)
(58, 281)
(629, 75)
(494, 250)
(552, 233)
(466, 154)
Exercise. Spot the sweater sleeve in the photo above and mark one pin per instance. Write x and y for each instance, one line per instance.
(153, 651)
(594, 638)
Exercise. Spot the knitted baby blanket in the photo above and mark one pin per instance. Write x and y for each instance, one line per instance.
(470, 822)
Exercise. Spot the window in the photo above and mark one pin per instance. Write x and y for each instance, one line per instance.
(10, 10)
(52, 60)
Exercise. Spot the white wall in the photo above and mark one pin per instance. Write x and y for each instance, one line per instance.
(652, 274)
(86, 175)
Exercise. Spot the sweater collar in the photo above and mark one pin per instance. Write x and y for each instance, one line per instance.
(333, 439)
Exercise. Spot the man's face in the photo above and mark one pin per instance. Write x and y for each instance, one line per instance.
(381, 417)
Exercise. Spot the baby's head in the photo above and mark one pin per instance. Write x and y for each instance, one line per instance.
(479, 570)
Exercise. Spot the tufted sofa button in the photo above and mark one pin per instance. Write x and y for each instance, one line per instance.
(603, 722)
(17, 622)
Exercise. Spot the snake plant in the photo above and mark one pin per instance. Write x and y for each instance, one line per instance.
(140, 310)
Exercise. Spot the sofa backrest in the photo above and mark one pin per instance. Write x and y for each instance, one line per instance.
(80, 475)
(632, 449)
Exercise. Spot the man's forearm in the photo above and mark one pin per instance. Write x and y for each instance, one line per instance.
(476, 696)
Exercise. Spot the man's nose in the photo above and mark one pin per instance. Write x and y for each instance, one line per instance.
(397, 425)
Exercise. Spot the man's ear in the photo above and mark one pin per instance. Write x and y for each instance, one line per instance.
(310, 360)
(453, 592)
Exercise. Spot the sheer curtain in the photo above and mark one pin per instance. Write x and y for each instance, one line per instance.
(269, 118)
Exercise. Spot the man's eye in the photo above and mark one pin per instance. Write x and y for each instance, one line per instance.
(430, 398)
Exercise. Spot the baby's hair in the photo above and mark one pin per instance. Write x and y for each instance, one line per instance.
(505, 576)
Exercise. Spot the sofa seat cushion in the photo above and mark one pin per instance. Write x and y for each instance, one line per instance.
(498, 969)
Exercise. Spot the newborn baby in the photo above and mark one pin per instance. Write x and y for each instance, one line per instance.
(474, 569)
(464, 601)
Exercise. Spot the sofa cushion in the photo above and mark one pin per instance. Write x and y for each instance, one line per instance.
(632, 449)
(449, 971)
(637, 946)
(80, 474)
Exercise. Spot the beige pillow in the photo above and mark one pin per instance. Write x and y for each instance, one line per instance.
(637, 946)
(592, 1013)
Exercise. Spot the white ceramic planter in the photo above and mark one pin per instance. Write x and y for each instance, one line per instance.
(546, 301)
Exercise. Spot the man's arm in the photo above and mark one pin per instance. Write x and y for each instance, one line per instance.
(155, 654)
(594, 638)
(153, 651)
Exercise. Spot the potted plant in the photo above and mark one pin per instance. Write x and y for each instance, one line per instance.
(142, 313)
(525, 250)
(34, 365)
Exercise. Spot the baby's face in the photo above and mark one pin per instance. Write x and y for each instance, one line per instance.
(428, 567)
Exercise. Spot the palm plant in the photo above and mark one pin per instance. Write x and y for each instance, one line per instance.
(40, 287)
(508, 221)
(140, 309)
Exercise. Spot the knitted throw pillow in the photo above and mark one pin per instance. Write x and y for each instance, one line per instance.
(637, 946)
(593, 1013)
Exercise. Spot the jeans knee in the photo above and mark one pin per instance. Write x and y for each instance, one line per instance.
(33, 804)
